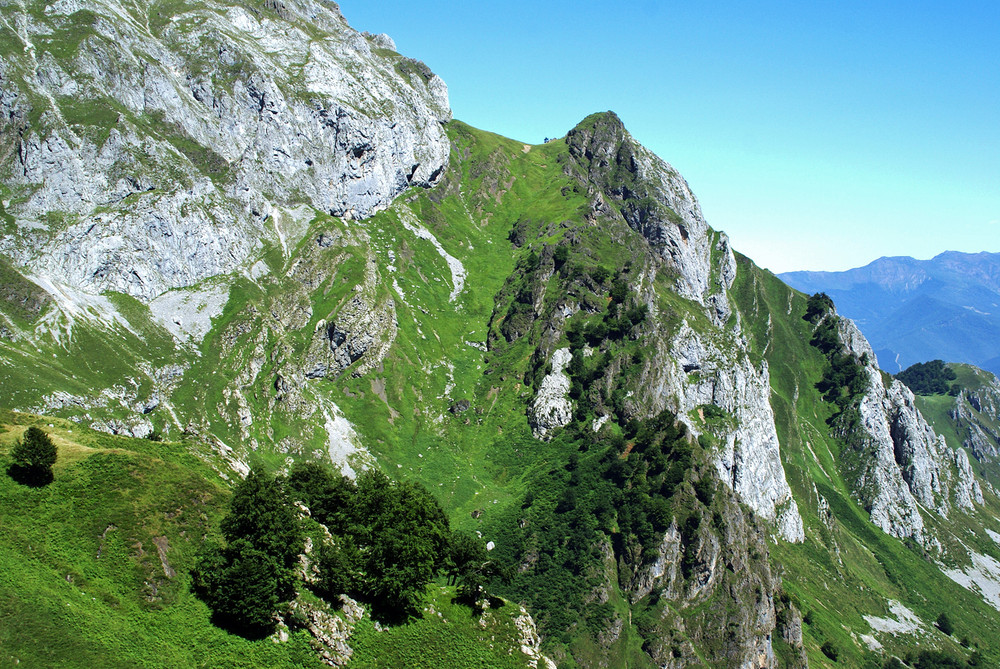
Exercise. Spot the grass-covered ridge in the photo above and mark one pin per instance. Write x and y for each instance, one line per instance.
(580, 515)
(447, 406)
(455, 299)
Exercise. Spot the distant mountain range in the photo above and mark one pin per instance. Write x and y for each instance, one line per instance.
(913, 310)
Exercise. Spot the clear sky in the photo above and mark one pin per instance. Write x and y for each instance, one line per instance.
(819, 135)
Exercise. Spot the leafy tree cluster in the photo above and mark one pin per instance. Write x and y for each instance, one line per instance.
(389, 540)
(937, 659)
(245, 580)
(817, 306)
(32, 458)
(618, 319)
(944, 624)
(928, 378)
(622, 315)
(622, 491)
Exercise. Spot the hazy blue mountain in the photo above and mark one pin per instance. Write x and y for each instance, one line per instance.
(913, 310)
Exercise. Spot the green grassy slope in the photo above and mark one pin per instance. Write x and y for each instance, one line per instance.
(94, 571)
(83, 582)
(501, 207)
(939, 410)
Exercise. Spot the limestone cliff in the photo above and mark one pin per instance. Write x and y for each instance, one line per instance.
(976, 414)
(690, 367)
(146, 151)
(902, 464)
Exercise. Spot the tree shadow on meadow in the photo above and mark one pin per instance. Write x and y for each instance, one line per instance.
(32, 477)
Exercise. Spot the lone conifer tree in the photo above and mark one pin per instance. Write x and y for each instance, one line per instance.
(33, 458)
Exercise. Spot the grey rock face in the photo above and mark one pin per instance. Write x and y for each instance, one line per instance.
(697, 370)
(917, 449)
(658, 203)
(976, 414)
(157, 154)
(661, 206)
(982, 442)
(968, 492)
(721, 565)
(879, 481)
(903, 464)
(552, 407)
(664, 571)
(362, 330)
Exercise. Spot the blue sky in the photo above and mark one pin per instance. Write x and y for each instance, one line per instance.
(819, 135)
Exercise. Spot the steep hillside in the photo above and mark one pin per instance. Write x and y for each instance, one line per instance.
(851, 462)
(917, 310)
(678, 459)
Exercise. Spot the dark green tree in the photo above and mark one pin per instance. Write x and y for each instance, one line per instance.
(243, 586)
(261, 512)
(560, 256)
(404, 533)
(928, 378)
(944, 624)
(937, 659)
(329, 496)
(33, 456)
(338, 568)
(245, 581)
(470, 567)
(817, 306)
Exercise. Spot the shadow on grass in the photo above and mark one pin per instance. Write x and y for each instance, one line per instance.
(235, 627)
(476, 608)
(390, 616)
(32, 477)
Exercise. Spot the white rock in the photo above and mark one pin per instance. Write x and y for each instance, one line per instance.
(275, 112)
(552, 408)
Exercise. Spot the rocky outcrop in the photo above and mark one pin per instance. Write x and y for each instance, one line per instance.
(725, 564)
(968, 492)
(330, 632)
(690, 368)
(552, 408)
(917, 449)
(976, 414)
(358, 332)
(900, 464)
(698, 370)
(657, 202)
(878, 478)
(361, 331)
(531, 641)
(154, 154)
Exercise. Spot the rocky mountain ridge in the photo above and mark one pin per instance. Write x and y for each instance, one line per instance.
(247, 226)
(203, 144)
